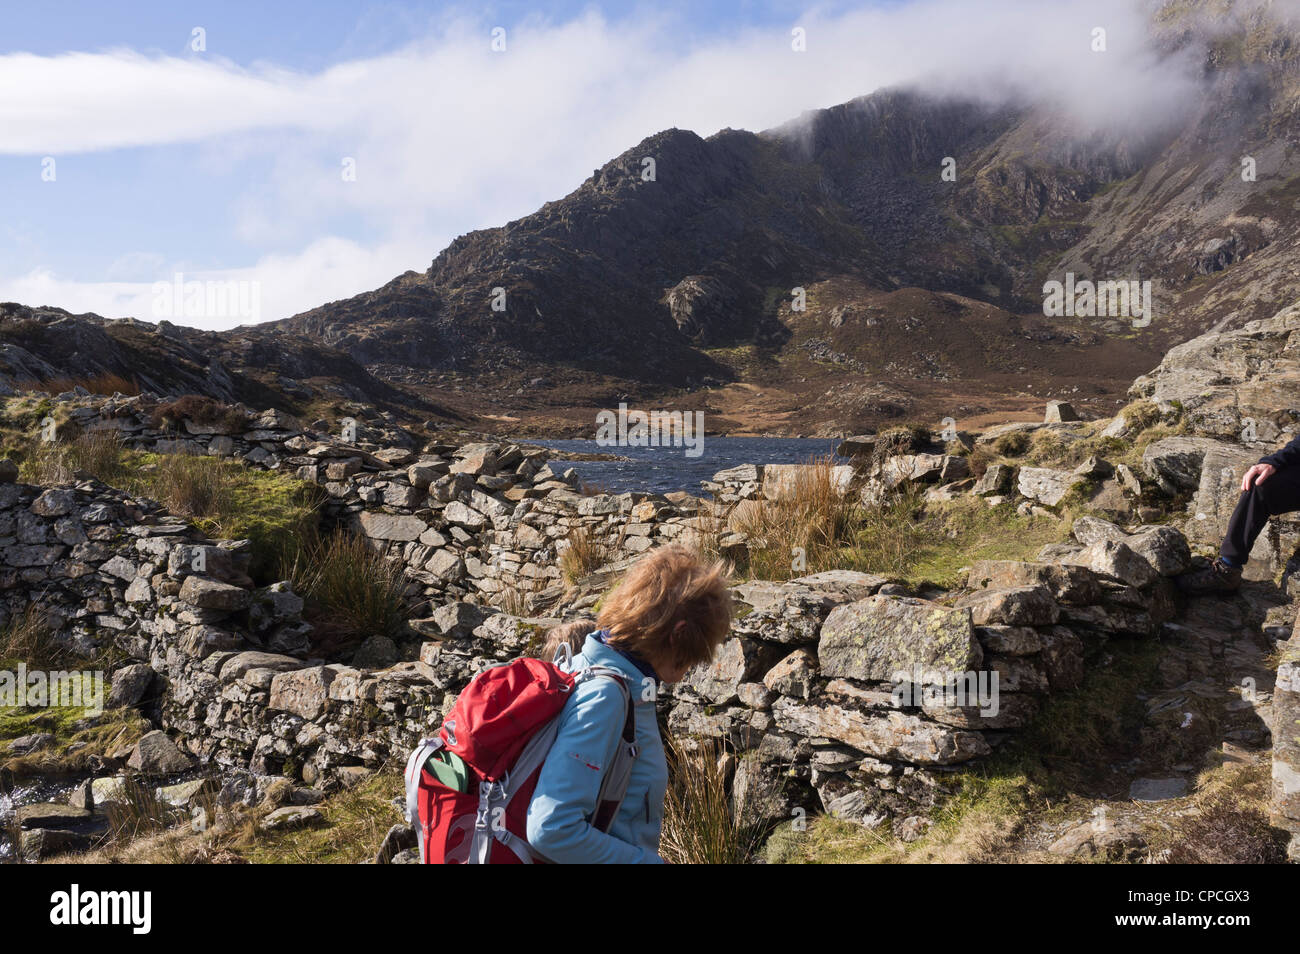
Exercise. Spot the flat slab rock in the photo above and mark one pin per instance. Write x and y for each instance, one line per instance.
(50, 815)
(1157, 789)
(873, 639)
(291, 818)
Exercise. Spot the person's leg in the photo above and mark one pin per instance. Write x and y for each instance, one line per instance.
(1279, 494)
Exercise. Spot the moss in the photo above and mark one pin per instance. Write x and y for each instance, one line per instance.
(1077, 497)
(975, 824)
(276, 511)
(82, 739)
(967, 530)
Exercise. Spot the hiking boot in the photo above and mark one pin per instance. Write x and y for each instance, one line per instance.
(1218, 577)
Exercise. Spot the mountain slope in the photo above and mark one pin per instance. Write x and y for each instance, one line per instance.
(50, 347)
(650, 286)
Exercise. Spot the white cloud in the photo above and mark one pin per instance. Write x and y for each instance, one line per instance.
(448, 135)
(280, 285)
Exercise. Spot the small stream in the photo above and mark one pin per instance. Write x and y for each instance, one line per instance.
(57, 789)
(29, 792)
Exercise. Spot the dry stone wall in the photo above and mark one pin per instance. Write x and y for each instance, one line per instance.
(829, 689)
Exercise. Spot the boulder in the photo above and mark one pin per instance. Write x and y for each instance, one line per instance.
(213, 594)
(1045, 485)
(1119, 561)
(185, 794)
(1095, 468)
(130, 683)
(1088, 530)
(390, 526)
(239, 664)
(1284, 804)
(875, 638)
(31, 742)
(1013, 711)
(1174, 463)
(43, 843)
(1011, 606)
(740, 474)
(304, 692)
(781, 481)
(996, 480)
(156, 754)
(1128, 480)
(476, 459)
(1059, 412)
(861, 445)
(50, 815)
(400, 838)
(54, 503)
(759, 792)
(291, 818)
(1065, 582)
(1010, 640)
(445, 565)
(1062, 658)
(463, 516)
(377, 652)
(736, 661)
(1101, 839)
(424, 473)
(794, 675)
(1163, 547)
(842, 585)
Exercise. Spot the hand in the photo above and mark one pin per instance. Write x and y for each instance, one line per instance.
(1257, 475)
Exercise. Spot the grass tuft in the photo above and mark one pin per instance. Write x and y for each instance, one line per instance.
(352, 591)
(700, 821)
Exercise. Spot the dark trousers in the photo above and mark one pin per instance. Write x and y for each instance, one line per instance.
(1279, 494)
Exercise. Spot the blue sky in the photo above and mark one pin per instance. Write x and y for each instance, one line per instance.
(225, 163)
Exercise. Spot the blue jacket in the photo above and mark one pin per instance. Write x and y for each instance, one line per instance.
(590, 727)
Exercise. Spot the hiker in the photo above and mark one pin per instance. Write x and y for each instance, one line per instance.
(669, 614)
(1269, 488)
(571, 634)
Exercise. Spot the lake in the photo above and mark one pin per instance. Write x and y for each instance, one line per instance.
(665, 469)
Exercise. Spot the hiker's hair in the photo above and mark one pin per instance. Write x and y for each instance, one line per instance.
(667, 586)
(570, 633)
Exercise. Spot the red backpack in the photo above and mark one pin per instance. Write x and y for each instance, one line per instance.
(502, 727)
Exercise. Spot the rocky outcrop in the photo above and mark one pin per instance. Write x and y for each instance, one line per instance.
(1286, 744)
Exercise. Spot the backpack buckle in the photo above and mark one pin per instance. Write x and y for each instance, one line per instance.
(488, 792)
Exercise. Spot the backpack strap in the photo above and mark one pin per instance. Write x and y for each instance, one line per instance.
(613, 787)
(492, 799)
(414, 768)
